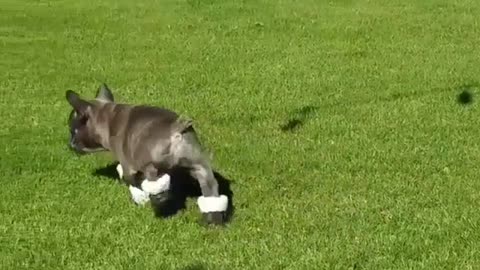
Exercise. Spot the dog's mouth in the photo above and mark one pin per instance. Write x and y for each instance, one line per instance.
(95, 150)
(83, 150)
(76, 150)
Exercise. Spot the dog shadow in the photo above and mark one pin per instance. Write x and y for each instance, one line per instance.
(182, 187)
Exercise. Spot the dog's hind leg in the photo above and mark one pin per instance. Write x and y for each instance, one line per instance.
(212, 205)
(187, 150)
(204, 174)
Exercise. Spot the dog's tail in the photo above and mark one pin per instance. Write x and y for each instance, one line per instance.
(183, 130)
(182, 125)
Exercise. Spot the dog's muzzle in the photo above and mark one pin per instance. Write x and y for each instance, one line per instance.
(75, 147)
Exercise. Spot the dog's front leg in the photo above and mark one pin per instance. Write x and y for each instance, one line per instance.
(127, 174)
(130, 178)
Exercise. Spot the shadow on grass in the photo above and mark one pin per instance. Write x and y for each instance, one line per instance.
(466, 95)
(298, 118)
(182, 186)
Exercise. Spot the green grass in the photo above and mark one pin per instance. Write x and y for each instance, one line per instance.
(381, 172)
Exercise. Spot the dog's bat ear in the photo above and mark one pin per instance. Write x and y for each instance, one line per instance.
(104, 93)
(79, 105)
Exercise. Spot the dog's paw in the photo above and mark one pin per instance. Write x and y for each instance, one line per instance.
(160, 198)
(162, 184)
(139, 196)
(214, 218)
(213, 209)
(120, 171)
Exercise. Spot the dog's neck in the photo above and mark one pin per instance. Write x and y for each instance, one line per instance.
(107, 122)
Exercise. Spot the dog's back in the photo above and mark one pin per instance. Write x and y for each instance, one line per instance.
(152, 134)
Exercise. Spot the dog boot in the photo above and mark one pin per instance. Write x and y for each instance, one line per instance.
(120, 171)
(213, 209)
(158, 189)
(139, 196)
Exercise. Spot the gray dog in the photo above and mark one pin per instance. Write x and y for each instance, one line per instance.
(147, 141)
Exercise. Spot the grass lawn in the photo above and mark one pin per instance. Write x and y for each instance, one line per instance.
(337, 123)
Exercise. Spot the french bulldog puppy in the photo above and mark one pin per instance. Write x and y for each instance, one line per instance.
(147, 142)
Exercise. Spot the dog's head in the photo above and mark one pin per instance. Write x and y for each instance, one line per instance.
(84, 121)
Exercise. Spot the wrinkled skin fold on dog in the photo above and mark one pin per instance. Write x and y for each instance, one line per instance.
(146, 140)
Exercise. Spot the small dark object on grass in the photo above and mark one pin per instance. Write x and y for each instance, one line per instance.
(465, 97)
(291, 125)
(300, 116)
